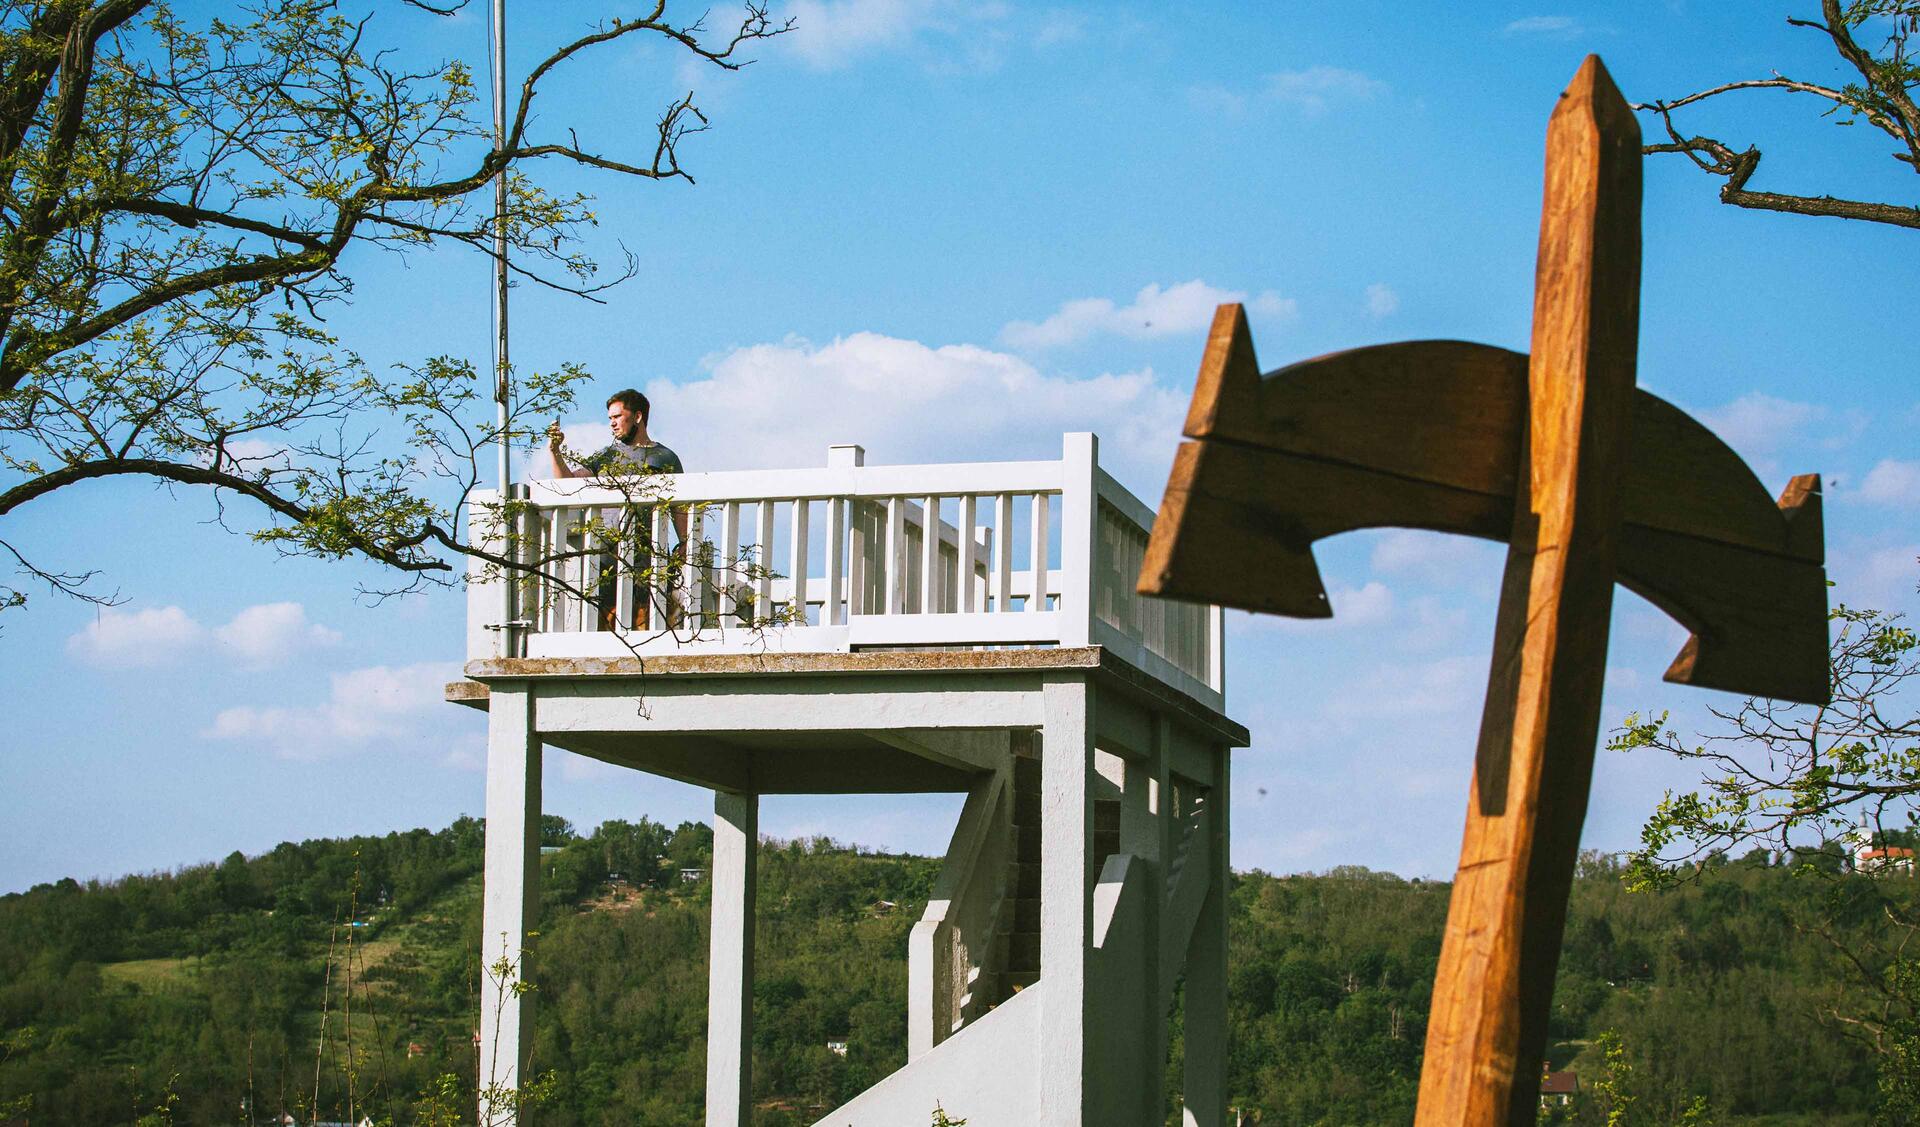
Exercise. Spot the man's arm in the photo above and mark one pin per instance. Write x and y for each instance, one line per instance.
(555, 441)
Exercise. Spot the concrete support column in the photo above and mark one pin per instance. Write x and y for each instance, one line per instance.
(1066, 906)
(736, 839)
(1204, 1083)
(1146, 831)
(511, 900)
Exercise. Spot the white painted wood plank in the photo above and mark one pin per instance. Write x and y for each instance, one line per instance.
(726, 560)
(969, 556)
(1003, 553)
(929, 556)
(1122, 498)
(894, 589)
(868, 481)
(797, 559)
(1038, 550)
(834, 614)
(763, 586)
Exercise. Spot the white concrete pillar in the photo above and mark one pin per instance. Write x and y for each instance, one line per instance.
(1066, 905)
(1204, 1083)
(736, 839)
(1146, 831)
(511, 900)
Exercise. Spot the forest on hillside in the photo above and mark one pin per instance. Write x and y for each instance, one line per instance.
(336, 979)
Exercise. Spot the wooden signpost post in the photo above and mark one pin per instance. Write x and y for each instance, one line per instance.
(1590, 481)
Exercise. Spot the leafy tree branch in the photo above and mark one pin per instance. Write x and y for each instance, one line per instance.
(179, 202)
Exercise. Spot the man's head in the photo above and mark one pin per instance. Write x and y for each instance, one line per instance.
(627, 415)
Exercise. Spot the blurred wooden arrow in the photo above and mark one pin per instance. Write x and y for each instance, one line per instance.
(1589, 480)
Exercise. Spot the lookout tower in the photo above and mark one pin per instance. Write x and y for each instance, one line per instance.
(967, 627)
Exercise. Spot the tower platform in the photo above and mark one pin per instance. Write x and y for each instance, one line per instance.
(968, 628)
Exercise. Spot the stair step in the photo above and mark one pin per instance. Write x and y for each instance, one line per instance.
(1026, 914)
(1026, 881)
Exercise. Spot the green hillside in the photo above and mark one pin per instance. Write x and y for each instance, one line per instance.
(344, 976)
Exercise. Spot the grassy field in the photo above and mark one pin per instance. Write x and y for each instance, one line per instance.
(149, 974)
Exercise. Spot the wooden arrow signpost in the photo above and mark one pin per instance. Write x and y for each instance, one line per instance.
(1589, 481)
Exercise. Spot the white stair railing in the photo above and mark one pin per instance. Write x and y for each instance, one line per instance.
(956, 952)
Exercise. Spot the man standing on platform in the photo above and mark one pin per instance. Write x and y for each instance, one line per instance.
(631, 453)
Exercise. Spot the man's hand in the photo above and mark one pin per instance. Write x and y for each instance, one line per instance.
(556, 439)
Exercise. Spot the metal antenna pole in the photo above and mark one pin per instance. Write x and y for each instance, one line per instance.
(502, 365)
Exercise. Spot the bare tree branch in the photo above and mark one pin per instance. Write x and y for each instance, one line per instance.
(1885, 101)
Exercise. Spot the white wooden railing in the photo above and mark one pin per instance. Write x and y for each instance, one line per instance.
(957, 951)
(851, 557)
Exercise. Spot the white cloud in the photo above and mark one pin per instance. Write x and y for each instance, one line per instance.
(1757, 424)
(1317, 89)
(1439, 556)
(1381, 300)
(1547, 27)
(1354, 608)
(1447, 686)
(1211, 98)
(1154, 312)
(129, 639)
(1892, 482)
(829, 34)
(400, 707)
(781, 405)
(1061, 25)
(261, 635)
(1881, 579)
(273, 632)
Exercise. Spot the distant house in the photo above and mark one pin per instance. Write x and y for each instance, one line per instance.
(882, 907)
(688, 876)
(1558, 1088)
(837, 1048)
(1877, 858)
(415, 1049)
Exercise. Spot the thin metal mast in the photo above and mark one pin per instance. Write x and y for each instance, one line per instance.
(502, 365)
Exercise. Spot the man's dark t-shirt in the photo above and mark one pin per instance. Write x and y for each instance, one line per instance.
(617, 456)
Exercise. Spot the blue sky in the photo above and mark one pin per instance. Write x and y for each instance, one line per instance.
(970, 193)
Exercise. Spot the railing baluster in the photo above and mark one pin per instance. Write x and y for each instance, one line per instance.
(1003, 553)
(930, 555)
(833, 614)
(724, 556)
(964, 556)
(1037, 601)
(549, 616)
(660, 591)
(894, 593)
(859, 555)
(623, 579)
(797, 567)
(582, 564)
(691, 590)
(763, 585)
